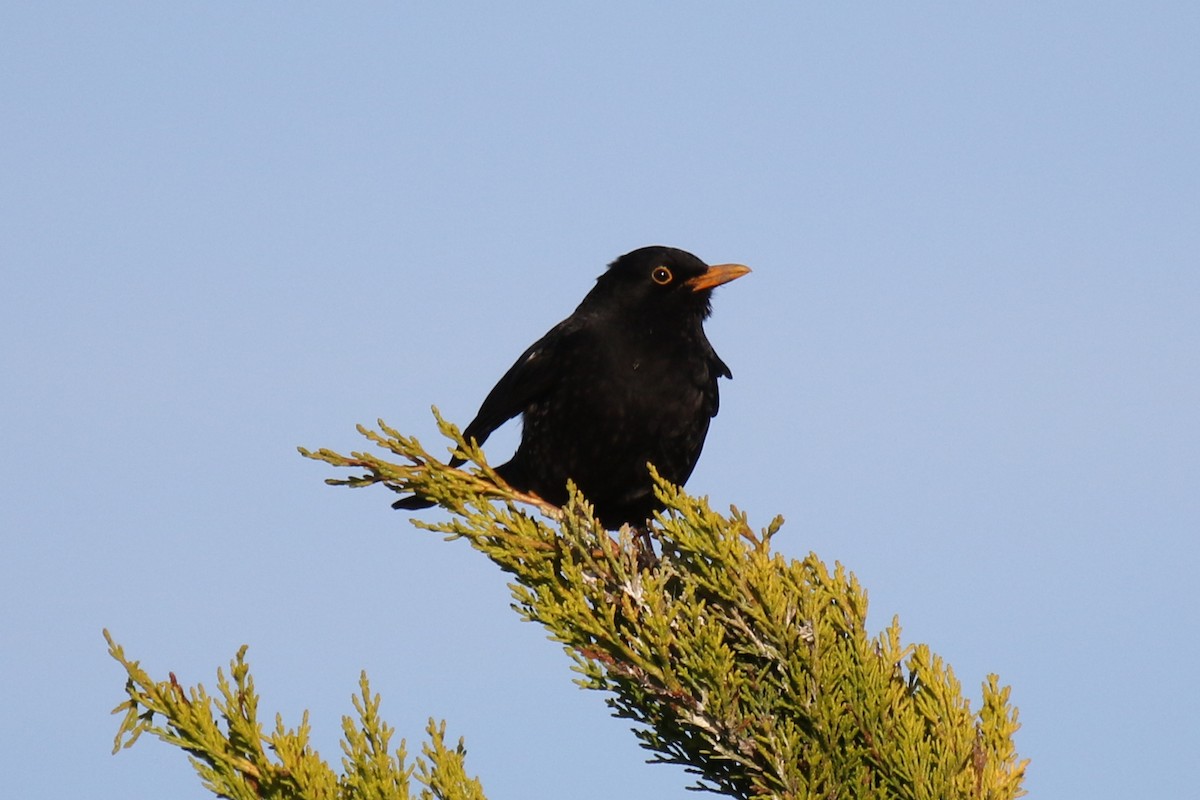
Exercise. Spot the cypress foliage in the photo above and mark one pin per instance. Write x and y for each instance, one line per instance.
(755, 673)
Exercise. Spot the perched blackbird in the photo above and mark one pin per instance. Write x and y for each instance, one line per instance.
(628, 378)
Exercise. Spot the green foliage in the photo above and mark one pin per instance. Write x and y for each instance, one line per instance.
(229, 749)
(753, 672)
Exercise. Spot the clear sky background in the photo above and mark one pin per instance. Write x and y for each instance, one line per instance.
(967, 363)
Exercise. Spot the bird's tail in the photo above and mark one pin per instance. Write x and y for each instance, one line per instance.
(412, 503)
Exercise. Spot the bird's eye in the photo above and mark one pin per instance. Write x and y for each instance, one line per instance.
(661, 275)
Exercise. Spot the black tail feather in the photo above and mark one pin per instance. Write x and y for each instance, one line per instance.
(413, 503)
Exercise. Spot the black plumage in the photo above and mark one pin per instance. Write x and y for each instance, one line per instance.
(628, 378)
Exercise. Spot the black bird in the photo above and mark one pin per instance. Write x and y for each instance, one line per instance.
(628, 378)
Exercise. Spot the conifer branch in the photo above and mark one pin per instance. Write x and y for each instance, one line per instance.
(754, 673)
(423, 474)
(236, 759)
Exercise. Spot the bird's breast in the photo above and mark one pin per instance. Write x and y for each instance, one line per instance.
(632, 396)
(609, 411)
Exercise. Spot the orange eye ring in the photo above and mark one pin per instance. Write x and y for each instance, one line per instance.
(661, 275)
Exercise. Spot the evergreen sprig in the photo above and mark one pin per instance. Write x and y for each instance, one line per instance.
(236, 759)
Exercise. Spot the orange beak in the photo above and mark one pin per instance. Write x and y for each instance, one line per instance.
(715, 276)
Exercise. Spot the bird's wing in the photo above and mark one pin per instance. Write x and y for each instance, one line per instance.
(526, 380)
(716, 369)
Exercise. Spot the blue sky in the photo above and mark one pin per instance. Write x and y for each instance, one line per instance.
(967, 363)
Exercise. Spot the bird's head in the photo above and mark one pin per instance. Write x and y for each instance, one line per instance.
(662, 281)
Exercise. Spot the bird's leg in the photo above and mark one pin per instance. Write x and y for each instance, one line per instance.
(643, 546)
